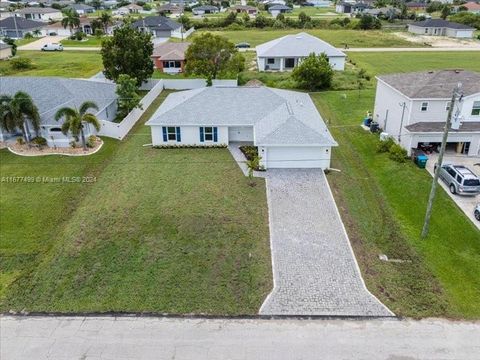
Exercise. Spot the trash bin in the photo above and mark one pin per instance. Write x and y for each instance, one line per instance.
(367, 121)
(421, 161)
(374, 127)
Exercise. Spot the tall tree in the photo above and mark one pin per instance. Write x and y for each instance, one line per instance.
(16, 112)
(128, 98)
(71, 20)
(314, 72)
(106, 19)
(75, 120)
(211, 55)
(129, 52)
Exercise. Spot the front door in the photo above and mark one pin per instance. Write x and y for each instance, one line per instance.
(289, 62)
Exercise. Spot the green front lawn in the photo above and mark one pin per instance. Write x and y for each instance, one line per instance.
(382, 204)
(73, 64)
(159, 230)
(354, 38)
(90, 41)
(25, 41)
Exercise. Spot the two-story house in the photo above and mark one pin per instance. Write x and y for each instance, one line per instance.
(413, 109)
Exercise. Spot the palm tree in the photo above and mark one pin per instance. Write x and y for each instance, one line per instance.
(75, 119)
(106, 20)
(16, 112)
(36, 32)
(70, 19)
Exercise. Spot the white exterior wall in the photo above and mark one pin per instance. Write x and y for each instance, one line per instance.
(466, 109)
(460, 33)
(337, 63)
(436, 111)
(277, 157)
(190, 135)
(240, 133)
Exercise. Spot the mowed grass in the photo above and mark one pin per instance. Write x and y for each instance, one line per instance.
(354, 38)
(383, 204)
(177, 231)
(72, 64)
(395, 62)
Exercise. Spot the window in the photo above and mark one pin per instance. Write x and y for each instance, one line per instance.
(289, 62)
(171, 133)
(171, 64)
(424, 106)
(208, 133)
(426, 30)
(55, 129)
(447, 105)
(270, 61)
(476, 108)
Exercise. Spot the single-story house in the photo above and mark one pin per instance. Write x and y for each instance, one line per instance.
(205, 9)
(85, 26)
(41, 14)
(413, 107)
(440, 27)
(272, 2)
(388, 12)
(109, 4)
(284, 53)
(171, 9)
(284, 125)
(318, 3)
(5, 53)
(351, 8)
(276, 9)
(184, 3)
(16, 27)
(129, 9)
(250, 10)
(416, 5)
(472, 7)
(51, 93)
(158, 26)
(169, 57)
(81, 9)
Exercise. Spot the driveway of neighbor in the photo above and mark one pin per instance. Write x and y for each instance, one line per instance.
(37, 45)
(465, 203)
(315, 271)
(121, 338)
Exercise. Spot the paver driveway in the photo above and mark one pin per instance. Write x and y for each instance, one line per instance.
(314, 269)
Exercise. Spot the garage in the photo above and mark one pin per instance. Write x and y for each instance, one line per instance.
(240, 133)
(296, 156)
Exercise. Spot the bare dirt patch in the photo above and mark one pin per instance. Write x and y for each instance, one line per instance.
(439, 41)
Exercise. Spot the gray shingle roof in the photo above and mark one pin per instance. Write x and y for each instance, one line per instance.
(52, 93)
(35, 10)
(80, 7)
(21, 23)
(279, 117)
(301, 44)
(157, 22)
(466, 126)
(279, 7)
(440, 23)
(433, 84)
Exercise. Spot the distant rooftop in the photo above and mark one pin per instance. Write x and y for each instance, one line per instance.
(440, 23)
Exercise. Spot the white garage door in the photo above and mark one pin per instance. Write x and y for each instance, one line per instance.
(298, 157)
(240, 133)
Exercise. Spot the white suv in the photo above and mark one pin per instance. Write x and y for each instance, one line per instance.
(52, 47)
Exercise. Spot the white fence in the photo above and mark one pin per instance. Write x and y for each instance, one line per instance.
(179, 35)
(155, 87)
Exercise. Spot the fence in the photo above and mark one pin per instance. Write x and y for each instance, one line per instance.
(155, 87)
(179, 35)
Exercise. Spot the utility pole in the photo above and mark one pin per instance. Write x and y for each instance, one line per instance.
(428, 214)
(403, 105)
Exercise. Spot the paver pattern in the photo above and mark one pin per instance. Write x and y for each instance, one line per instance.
(315, 271)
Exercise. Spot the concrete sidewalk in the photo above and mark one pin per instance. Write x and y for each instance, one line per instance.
(108, 338)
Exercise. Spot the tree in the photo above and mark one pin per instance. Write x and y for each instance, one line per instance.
(70, 20)
(184, 20)
(303, 19)
(252, 165)
(129, 52)
(128, 98)
(11, 42)
(106, 20)
(446, 10)
(210, 55)
(368, 22)
(314, 72)
(36, 32)
(16, 112)
(74, 120)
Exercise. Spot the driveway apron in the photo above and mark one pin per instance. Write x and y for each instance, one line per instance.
(315, 270)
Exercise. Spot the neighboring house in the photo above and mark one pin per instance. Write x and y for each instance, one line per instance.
(16, 27)
(250, 10)
(158, 26)
(472, 7)
(388, 12)
(129, 9)
(205, 9)
(5, 53)
(439, 27)
(413, 108)
(351, 8)
(284, 53)
(272, 2)
(40, 14)
(171, 9)
(81, 9)
(51, 93)
(169, 57)
(277, 9)
(284, 125)
(184, 3)
(85, 26)
(109, 4)
(319, 3)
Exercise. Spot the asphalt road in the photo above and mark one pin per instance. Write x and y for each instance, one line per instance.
(107, 338)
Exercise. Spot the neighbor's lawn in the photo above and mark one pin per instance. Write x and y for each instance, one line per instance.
(26, 41)
(177, 231)
(382, 204)
(354, 38)
(74, 64)
(92, 41)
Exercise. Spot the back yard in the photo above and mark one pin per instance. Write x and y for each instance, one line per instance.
(158, 230)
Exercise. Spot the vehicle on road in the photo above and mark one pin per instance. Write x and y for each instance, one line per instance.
(459, 179)
(242, 45)
(52, 47)
(476, 212)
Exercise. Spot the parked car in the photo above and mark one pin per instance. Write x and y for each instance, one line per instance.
(52, 47)
(460, 179)
(242, 45)
(476, 212)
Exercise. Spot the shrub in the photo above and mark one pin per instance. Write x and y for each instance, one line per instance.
(28, 35)
(397, 153)
(313, 73)
(40, 141)
(385, 145)
(99, 33)
(20, 141)
(91, 141)
(73, 144)
(20, 63)
(250, 152)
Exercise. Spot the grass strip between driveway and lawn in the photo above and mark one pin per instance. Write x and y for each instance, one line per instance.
(171, 231)
(383, 204)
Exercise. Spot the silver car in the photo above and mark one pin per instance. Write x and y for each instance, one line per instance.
(460, 179)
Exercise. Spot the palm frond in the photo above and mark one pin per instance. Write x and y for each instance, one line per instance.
(65, 112)
(92, 119)
(87, 105)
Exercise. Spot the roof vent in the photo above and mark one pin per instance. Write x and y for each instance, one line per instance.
(298, 37)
